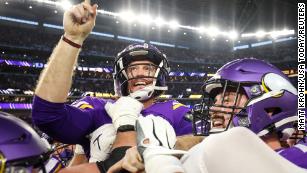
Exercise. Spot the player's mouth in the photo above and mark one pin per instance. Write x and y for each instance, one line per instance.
(137, 85)
(218, 122)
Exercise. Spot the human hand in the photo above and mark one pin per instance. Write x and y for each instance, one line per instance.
(131, 162)
(124, 111)
(79, 21)
(156, 139)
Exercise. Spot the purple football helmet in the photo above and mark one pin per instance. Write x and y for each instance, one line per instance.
(271, 104)
(137, 52)
(21, 148)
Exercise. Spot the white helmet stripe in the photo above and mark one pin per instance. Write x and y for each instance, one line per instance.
(286, 132)
(263, 132)
(285, 121)
(156, 75)
(264, 96)
(210, 87)
(158, 70)
(121, 67)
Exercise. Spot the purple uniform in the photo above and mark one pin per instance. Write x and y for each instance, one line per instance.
(296, 154)
(72, 123)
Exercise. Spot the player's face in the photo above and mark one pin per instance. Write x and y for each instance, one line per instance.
(141, 74)
(220, 116)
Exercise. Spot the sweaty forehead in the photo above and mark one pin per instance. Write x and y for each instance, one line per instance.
(140, 62)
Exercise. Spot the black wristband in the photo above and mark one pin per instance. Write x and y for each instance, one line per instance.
(73, 44)
(125, 128)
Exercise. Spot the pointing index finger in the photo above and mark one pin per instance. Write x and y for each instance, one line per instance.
(87, 1)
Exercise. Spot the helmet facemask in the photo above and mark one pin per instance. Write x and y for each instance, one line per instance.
(126, 61)
(153, 80)
(25, 165)
(222, 101)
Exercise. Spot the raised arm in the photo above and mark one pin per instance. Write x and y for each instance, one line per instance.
(55, 80)
(49, 112)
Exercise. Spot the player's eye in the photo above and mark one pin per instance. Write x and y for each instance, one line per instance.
(131, 69)
(146, 67)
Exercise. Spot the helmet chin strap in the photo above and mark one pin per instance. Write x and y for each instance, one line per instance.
(146, 92)
(143, 94)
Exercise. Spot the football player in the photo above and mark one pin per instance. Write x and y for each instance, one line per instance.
(103, 127)
(256, 95)
(260, 102)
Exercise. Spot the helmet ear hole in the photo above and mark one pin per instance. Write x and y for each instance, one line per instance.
(22, 137)
(273, 111)
(242, 70)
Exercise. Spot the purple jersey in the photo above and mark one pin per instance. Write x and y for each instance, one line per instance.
(296, 154)
(72, 123)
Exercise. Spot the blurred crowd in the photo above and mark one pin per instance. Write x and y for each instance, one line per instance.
(35, 44)
(43, 39)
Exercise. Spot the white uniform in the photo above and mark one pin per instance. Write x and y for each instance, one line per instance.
(237, 150)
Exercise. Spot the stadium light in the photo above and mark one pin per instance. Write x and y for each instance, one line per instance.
(260, 33)
(127, 16)
(233, 35)
(291, 32)
(247, 35)
(65, 4)
(159, 21)
(201, 29)
(276, 34)
(273, 34)
(213, 31)
(144, 19)
(174, 24)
